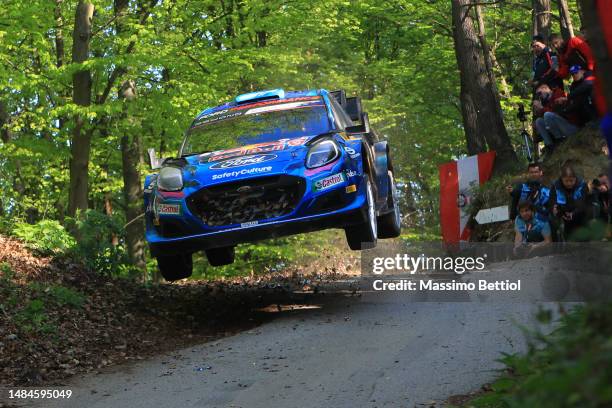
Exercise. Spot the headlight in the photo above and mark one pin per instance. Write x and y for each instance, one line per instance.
(170, 179)
(322, 153)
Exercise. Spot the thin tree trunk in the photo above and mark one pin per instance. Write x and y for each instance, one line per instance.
(108, 210)
(541, 18)
(81, 95)
(59, 34)
(486, 51)
(567, 29)
(130, 158)
(5, 134)
(132, 189)
(480, 105)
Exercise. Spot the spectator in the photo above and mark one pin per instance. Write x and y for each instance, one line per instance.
(604, 180)
(600, 200)
(575, 51)
(545, 65)
(532, 191)
(604, 198)
(579, 104)
(531, 234)
(568, 203)
(551, 126)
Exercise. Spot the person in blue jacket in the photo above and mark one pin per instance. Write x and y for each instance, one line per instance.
(532, 235)
(569, 202)
(532, 190)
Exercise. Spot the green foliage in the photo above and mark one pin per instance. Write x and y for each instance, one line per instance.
(95, 247)
(47, 237)
(570, 368)
(65, 296)
(37, 313)
(6, 271)
(420, 236)
(33, 317)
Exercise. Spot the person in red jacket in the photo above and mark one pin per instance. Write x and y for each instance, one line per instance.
(574, 51)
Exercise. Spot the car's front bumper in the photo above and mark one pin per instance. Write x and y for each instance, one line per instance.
(354, 213)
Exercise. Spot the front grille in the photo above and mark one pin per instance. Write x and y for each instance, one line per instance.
(247, 200)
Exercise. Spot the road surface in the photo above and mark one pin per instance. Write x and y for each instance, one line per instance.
(370, 350)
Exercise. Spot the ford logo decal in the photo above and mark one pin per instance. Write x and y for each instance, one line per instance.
(243, 161)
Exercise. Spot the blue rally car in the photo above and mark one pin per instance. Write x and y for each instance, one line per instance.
(269, 164)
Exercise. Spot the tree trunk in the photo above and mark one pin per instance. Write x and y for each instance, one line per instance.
(5, 134)
(541, 18)
(81, 95)
(59, 34)
(567, 29)
(486, 51)
(132, 189)
(474, 140)
(108, 210)
(131, 158)
(480, 105)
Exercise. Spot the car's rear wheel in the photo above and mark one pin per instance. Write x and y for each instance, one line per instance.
(221, 256)
(390, 224)
(175, 267)
(363, 236)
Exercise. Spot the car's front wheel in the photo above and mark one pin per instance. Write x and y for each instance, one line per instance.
(221, 256)
(175, 267)
(363, 236)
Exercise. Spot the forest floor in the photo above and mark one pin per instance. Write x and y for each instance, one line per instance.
(59, 319)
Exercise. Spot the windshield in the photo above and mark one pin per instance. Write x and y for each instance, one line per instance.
(257, 123)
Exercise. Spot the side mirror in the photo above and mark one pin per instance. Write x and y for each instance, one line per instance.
(154, 161)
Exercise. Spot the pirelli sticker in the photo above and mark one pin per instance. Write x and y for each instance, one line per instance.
(328, 182)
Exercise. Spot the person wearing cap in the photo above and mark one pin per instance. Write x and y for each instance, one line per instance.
(545, 65)
(579, 104)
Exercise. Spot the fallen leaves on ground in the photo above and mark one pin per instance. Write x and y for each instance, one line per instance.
(59, 319)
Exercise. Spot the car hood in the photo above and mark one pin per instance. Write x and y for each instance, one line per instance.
(252, 160)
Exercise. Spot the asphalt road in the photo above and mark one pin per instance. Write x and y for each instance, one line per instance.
(372, 350)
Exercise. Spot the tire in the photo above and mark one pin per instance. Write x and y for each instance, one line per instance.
(221, 256)
(363, 236)
(390, 224)
(175, 267)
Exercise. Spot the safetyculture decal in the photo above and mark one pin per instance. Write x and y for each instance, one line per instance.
(243, 161)
(243, 172)
(329, 181)
(169, 209)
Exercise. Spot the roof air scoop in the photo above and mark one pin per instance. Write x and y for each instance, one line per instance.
(260, 96)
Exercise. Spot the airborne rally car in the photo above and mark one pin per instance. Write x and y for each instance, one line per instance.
(269, 164)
